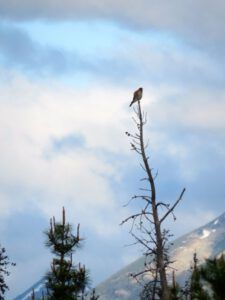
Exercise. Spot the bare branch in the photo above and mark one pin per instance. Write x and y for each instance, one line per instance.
(143, 189)
(157, 173)
(172, 208)
(133, 217)
(144, 179)
(163, 204)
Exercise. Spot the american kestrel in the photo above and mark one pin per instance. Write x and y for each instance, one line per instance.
(137, 95)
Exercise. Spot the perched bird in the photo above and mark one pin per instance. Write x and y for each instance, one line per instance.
(137, 95)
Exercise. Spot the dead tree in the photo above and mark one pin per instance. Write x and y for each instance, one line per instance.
(146, 225)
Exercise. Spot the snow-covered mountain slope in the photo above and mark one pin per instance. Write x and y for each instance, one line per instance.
(207, 241)
(37, 287)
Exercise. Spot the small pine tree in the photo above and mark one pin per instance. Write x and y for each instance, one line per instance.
(175, 291)
(94, 296)
(193, 289)
(196, 285)
(42, 296)
(33, 295)
(65, 281)
(4, 263)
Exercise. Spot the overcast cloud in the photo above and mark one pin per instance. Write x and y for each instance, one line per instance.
(200, 21)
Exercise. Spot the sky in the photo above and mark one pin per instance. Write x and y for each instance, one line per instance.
(68, 70)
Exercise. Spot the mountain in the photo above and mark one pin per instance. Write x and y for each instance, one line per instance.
(37, 287)
(207, 241)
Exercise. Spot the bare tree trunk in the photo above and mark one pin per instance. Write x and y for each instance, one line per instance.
(159, 239)
(155, 243)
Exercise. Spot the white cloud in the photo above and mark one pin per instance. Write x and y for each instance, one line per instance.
(57, 111)
(31, 115)
(34, 114)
